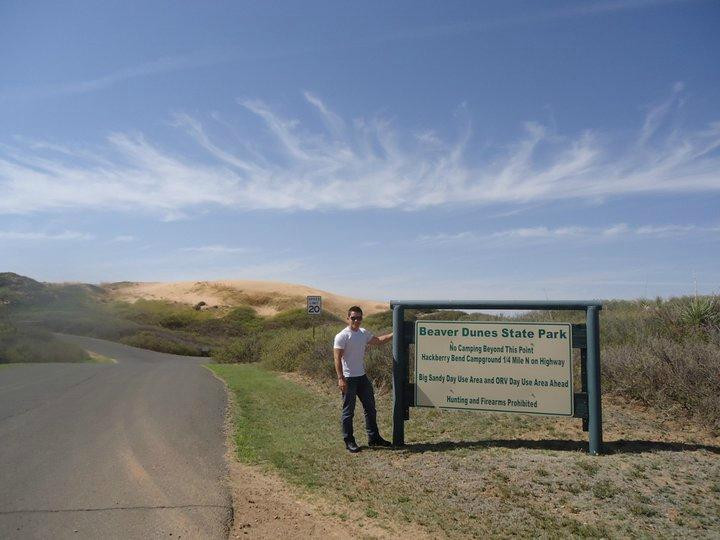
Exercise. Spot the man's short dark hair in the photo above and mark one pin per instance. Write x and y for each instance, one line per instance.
(356, 309)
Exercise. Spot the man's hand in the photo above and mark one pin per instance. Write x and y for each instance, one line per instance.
(379, 340)
(342, 383)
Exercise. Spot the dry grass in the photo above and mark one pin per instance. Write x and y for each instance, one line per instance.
(466, 474)
(682, 377)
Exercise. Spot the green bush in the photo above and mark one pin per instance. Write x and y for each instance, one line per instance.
(159, 313)
(286, 350)
(243, 350)
(679, 318)
(297, 351)
(669, 375)
(702, 312)
(31, 345)
(244, 318)
(319, 363)
(155, 342)
(298, 319)
(379, 320)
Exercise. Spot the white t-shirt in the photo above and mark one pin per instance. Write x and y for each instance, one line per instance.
(353, 346)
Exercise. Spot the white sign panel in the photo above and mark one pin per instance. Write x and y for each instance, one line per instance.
(314, 305)
(494, 366)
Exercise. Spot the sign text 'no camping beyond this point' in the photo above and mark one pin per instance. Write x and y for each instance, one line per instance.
(494, 366)
(314, 305)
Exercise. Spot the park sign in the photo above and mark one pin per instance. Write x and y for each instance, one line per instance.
(494, 366)
(537, 355)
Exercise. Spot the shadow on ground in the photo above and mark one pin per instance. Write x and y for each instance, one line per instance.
(621, 446)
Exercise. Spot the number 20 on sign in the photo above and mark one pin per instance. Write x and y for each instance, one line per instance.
(314, 305)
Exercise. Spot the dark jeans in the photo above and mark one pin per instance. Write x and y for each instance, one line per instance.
(362, 388)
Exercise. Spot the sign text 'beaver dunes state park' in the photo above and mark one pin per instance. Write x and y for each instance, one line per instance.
(494, 366)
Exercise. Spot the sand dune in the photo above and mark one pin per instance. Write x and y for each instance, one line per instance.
(266, 297)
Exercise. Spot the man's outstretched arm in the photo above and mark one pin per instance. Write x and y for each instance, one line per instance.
(379, 340)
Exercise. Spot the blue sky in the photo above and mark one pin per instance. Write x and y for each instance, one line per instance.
(382, 150)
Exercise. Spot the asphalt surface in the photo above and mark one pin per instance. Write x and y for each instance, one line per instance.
(127, 450)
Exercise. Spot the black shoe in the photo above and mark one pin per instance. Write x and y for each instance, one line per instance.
(379, 441)
(352, 446)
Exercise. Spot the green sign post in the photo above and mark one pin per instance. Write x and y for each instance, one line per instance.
(498, 366)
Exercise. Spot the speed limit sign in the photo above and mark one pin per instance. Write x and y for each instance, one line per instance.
(314, 305)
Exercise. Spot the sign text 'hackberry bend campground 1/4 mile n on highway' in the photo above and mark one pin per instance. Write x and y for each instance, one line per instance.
(494, 366)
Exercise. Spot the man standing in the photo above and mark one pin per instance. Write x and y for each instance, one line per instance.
(349, 353)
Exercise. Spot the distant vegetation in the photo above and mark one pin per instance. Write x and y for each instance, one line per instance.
(35, 345)
(663, 353)
(31, 308)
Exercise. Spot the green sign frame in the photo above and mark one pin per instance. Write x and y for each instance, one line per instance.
(587, 403)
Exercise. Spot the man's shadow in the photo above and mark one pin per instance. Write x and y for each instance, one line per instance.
(621, 446)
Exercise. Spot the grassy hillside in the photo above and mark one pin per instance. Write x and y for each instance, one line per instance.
(158, 325)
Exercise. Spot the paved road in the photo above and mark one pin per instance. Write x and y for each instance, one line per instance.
(127, 450)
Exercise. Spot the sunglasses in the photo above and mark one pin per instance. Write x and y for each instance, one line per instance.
(358, 318)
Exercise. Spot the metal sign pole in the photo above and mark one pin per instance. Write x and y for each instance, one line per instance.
(399, 371)
(593, 376)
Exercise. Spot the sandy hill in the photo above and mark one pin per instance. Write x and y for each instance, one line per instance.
(266, 297)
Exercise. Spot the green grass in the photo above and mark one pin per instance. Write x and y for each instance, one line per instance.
(282, 424)
(453, 478)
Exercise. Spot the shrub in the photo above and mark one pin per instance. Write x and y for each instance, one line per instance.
(378, 366)
(244, 319)
(286, 350)
(701, 312)
(297, 351)
(298, 318)
(669, 375)
(678, 318)
(175, 321)
(154, 342)
(241, 350)
(35, 345)
(318, 364)
(379, 320)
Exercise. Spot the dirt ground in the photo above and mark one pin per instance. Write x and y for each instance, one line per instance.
(266, 506)
(465, 475)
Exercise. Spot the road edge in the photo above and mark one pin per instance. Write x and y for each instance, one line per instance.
(227, 428)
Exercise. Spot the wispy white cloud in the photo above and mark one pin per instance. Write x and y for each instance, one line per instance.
(364, 163)
(160, 65)
(124, 238)
(619, 231)
(215, 249)
(30, 236)
(547, 14)
(447, 238)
